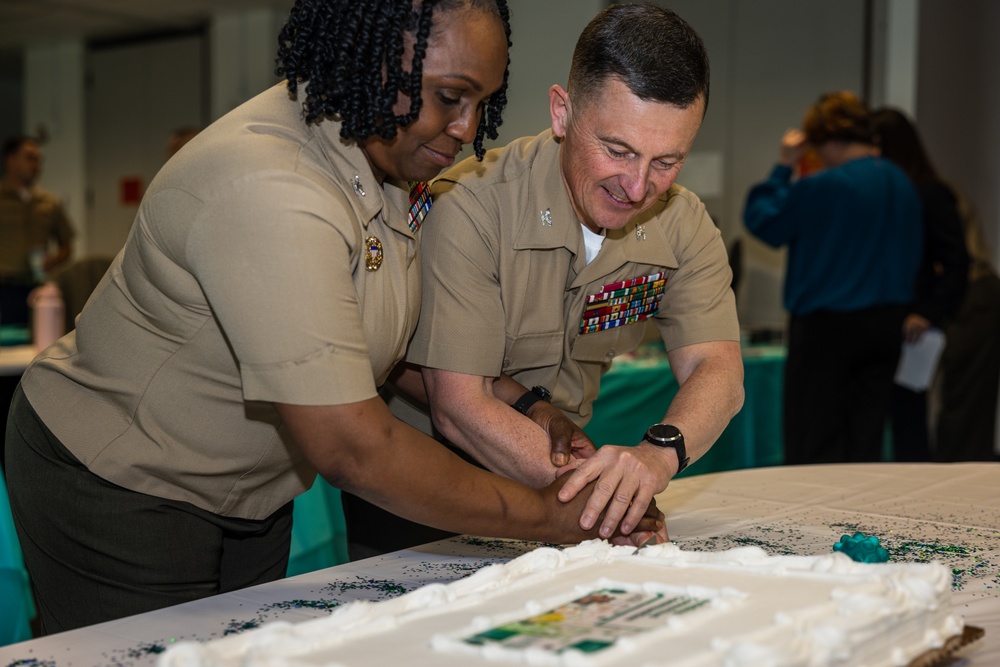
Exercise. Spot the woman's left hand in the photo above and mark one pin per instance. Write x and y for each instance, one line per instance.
(569, 442)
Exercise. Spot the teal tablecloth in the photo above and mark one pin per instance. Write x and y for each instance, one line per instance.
(16, 607)
(319, 534)
(11, 334)
(636, 392)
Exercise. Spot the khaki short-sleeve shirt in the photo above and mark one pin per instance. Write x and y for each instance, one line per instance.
(506, 286)
(243, 282)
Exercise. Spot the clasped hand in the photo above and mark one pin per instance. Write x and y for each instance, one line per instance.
(625, 479)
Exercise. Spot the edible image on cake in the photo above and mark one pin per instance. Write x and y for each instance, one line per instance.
(590, 623)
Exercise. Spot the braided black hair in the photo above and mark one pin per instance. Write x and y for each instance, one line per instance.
(350, 52)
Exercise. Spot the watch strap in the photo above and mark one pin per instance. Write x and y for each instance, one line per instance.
(682, 460)
(531, 397)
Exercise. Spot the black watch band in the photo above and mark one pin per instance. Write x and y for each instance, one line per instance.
(668, 435)
(529, 398)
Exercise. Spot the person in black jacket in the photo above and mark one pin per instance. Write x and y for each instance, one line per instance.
(941, 278)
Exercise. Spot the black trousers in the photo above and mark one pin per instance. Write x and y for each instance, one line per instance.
(372, 531)
(839, 383)
(911, 438)
(96, 551)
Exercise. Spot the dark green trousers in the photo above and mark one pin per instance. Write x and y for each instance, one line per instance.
(96, 551)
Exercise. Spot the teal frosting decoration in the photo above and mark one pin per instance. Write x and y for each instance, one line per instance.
(862, 548)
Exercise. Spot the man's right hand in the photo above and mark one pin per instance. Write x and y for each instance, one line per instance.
(651, 524)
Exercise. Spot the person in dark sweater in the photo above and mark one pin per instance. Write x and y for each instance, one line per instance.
(854, 239)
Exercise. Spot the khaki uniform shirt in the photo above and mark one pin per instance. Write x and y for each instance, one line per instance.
(506, 284)
(26, 224)
(242, 283)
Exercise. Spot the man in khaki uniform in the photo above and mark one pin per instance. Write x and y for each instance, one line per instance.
(550, 257)
(36, 233)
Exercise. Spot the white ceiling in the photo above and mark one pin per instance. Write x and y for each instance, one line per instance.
(24, 22)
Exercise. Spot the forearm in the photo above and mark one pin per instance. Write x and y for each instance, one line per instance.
(407, 378)
(710, 394)
(474, 414)
(507, 389)
(362, 449)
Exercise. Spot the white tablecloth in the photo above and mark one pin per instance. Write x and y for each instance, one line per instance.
(918, 511)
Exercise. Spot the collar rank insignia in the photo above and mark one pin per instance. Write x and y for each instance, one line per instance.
(356, 184)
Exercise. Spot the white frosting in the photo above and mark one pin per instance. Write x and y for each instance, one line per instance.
(737, 608)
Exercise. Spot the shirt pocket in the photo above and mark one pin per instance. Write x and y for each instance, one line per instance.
(540, 350)
(603, 346)
(613, 317)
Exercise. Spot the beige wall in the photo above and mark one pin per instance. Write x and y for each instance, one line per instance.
(958, 99)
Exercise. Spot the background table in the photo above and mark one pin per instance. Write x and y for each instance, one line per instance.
(15, 358)
(948, 512)
(637, 390)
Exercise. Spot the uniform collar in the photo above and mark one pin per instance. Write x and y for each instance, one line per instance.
(641, 241)
(352, 174)
(548, 221)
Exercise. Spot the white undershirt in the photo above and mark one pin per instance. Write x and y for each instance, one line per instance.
(592, 242)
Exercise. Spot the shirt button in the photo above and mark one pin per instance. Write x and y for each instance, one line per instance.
(506, 362)
(611, 354)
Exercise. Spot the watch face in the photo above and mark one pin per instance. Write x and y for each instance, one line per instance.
(664, 432)
(543, 392)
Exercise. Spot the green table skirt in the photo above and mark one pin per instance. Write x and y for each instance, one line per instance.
(636, 392)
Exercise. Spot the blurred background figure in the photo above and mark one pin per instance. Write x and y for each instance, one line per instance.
(969, 370)
(853, 234)
(35, 231)
(941, 277)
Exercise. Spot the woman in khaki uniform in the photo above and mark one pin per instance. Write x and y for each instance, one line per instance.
(233, 350)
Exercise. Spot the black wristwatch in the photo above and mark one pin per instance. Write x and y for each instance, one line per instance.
(537, 393)
(666, 435)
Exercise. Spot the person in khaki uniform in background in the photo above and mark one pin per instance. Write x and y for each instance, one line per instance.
(233, 350)
(550, 257)
(36, 236)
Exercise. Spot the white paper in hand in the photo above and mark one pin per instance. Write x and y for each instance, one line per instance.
(919, 360)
